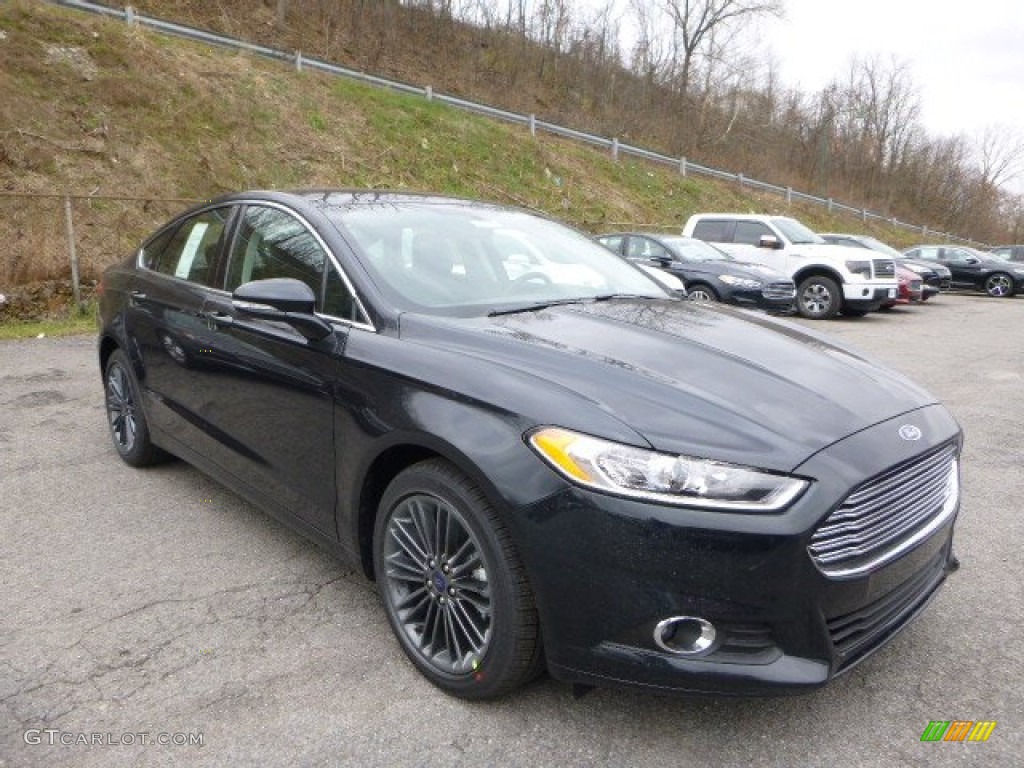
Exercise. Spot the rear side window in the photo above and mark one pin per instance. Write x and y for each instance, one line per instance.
(191, 254)
(712, 230)
(152, 250)
(750, 232)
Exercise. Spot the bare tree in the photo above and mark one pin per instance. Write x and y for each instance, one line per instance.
(695, 22)
(1000, 152)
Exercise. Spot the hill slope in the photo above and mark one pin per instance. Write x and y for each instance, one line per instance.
(93, 107)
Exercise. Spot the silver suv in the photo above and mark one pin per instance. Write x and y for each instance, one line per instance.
(829, 278)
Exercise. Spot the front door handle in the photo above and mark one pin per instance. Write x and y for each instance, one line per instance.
(218, 318)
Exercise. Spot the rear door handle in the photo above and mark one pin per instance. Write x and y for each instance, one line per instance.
(137, 295)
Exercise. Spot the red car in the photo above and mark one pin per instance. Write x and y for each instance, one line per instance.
(910, 290)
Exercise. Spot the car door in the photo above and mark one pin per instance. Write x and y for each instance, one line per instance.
(164, 322)
(966, 268)
(270, 391)
(747, 238)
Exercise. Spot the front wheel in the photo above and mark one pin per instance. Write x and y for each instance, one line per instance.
(999, 285)
(456, 594)
(701, 292)
(818, 298)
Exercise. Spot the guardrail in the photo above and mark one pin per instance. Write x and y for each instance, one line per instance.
(682, 164)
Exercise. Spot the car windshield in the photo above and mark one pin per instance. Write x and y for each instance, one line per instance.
(794, 231)
(878, 245)
(453, 258)
(691, 249)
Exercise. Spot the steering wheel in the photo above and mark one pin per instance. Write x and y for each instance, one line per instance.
(532, 277)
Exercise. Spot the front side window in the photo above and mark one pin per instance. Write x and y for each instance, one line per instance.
(751, 232)
(191, 253)
(271, 243)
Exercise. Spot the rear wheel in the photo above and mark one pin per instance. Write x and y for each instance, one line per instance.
(999, 285)
(456, 594)
(818, 298)
(128, 428)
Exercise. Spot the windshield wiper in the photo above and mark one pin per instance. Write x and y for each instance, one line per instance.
(535, 307)
(609, 296)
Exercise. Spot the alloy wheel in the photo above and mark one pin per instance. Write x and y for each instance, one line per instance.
(436, 584)
(121, 408)
(998, 285)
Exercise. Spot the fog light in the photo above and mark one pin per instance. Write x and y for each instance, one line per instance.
(684, 635)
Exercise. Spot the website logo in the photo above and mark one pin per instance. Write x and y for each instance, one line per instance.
(958, 730)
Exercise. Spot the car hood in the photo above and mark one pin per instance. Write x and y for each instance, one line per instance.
(688, 378)
(834, 251)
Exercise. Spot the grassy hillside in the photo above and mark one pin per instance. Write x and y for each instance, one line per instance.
(92, 107)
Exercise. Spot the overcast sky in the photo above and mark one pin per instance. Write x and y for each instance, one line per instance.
(967, 58)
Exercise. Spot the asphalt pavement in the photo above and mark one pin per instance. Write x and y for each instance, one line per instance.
(154, 618)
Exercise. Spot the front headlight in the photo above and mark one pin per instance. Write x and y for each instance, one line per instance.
(643, 474)
(862, 268)
(740, 282)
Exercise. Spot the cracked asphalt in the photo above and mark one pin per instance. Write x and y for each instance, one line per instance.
(140, 603)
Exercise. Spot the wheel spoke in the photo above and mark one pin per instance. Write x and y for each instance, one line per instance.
(407, 542)
(404, 568)
(453, 638)
(469, 628)
(412, 600)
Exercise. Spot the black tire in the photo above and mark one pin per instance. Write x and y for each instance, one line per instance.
(467, 620)
(818, 298)
(126, 418)
(701, 292)
(999, 285)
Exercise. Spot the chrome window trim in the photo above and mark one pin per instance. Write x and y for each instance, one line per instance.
(368, 325)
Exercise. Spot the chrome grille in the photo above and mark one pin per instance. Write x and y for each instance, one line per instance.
(888, 515)
(884, 267)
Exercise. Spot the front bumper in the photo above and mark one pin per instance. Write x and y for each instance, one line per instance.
(606, 570)
(773, 299)
(869, 296)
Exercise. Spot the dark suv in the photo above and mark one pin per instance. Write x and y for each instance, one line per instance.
(974, 269)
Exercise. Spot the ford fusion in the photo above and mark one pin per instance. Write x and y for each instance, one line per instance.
(543, 459)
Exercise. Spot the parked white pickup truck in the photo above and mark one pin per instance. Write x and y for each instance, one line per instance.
(829, 278)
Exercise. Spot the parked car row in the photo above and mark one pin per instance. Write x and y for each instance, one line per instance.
(543, 458)
(777, 264)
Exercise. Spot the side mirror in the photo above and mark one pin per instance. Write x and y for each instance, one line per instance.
(283, 300)
(770, 241)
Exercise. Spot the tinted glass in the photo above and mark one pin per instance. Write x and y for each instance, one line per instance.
(191, 253)
(751, 232)
(712, 230)
(152, 250)
(272, 243)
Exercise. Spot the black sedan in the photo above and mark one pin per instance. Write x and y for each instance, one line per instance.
(973, 269)
(708, 273)
(566, 468)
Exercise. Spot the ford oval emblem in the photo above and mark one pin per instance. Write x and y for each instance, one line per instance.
(910, 432)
